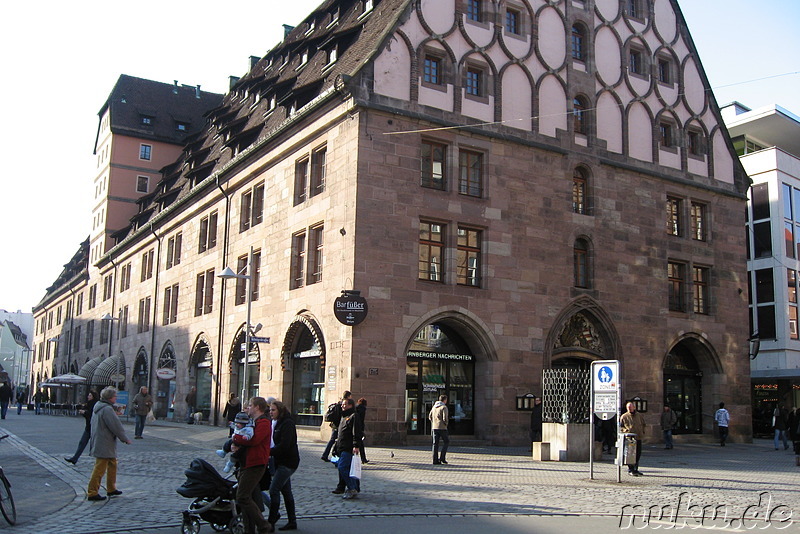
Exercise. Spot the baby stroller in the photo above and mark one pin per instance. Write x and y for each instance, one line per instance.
(214, 500)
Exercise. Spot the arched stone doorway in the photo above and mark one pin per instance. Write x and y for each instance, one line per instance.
(140, 378)
(683, 388)
(582, 337)
(200, 375)
(440, 361)
(237, 367)
(303, 358)
(165, 382)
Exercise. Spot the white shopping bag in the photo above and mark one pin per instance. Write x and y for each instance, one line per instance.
(355, 467)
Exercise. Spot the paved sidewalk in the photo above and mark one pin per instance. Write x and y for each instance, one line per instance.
(490, 482)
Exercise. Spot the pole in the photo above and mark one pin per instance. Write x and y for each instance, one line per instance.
(249, 289)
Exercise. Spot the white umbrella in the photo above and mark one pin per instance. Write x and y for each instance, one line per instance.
(68, 378)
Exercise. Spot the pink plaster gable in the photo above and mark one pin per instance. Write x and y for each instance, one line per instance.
(393, 69)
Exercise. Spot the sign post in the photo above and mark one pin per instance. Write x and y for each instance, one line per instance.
(606, 384)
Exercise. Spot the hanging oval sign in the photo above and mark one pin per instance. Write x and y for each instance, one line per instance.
(165, 373)
(351, 308)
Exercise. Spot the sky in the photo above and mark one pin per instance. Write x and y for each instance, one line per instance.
(60, 60)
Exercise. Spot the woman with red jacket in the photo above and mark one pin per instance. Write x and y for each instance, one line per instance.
(255, 464)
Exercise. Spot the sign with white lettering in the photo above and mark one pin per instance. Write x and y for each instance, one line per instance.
(351, 308)
(605, 388)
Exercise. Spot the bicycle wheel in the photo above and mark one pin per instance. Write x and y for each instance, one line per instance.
(7, 502)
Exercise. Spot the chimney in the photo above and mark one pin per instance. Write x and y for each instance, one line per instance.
(287, 30)
(175, 88)
(253, 61)
(197, 91)
(232, 80)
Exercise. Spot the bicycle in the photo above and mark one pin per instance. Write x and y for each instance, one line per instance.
(7, 507)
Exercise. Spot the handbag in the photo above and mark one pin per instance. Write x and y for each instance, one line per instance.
(355, 467)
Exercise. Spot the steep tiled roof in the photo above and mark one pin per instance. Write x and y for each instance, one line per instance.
(335, 40)
(76, 267)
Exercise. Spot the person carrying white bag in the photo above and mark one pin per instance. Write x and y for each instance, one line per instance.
(351, 432)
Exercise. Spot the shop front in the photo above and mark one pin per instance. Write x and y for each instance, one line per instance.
(439, 362)
(304, 355)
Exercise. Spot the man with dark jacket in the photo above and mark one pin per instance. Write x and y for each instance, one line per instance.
(6, 394)
(335, 426)
(255, 464)
(350, 435)
(142, 403)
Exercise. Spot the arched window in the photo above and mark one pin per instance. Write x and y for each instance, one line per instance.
(580, 184)
(578, 42)
(580, 115)
(581, 263)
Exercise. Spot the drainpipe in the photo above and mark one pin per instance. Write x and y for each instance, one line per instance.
(221, 325)
(156, 263)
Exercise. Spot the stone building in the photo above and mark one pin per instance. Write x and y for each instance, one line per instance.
(510, 186)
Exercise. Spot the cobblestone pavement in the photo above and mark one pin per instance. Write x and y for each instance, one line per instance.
(401, 481)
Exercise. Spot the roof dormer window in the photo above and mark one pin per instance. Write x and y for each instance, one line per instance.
(147, 120)
(311, 27)
(331, 55)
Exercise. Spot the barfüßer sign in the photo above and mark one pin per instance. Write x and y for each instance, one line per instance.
(351, 308)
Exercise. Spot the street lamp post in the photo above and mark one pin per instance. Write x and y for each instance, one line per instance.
(228, 274)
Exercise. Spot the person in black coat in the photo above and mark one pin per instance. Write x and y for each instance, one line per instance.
(536, 420)
(361, 412)
(232, 407)
(287, 458)
(86, 412)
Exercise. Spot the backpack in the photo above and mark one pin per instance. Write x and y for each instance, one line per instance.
(334, 413)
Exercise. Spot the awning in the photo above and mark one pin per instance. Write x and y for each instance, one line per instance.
(108, 368)
(89, 367)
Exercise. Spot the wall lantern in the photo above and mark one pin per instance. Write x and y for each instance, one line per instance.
(525, 402)
(640, 403)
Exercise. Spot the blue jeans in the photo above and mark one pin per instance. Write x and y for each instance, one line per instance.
(781, 434)
(668, 439)
(139, 424)
(345, 480)
(19, 408)
(444, 437)
(281, 485)
(82, 444)
(3, 409)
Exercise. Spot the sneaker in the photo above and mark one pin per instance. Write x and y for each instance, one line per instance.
(221, 453)
(227, 468)
(442, 461)
(349, 494)
(338, 491)
(137, 437)
(114, 493)
(95, 498)
(70, 460)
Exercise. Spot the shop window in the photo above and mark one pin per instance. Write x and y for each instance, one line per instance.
(431, 248)
(308, 378)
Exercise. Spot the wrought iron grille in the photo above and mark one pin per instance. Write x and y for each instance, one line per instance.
(565, 396)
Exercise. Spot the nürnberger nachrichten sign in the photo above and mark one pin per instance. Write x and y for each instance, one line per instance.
(351, 308)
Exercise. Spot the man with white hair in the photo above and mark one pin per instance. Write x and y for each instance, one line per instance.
(106, 429)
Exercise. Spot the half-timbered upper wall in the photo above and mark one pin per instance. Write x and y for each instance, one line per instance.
(527, 63)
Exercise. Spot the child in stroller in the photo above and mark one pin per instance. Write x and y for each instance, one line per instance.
(214, 500)
(243, 426)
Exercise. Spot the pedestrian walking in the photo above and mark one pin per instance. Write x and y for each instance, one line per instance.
(722, 418)
(87, 412)
(536, 420)
(286, 458)
(668, 421)
(334, 416)
(6, 394)
(142, 404)
(106, 430)
(361, 411)
(39, 397)
(191, 402)
(779, 422)
(632, 422)
(22, 397)
(232, 407)
(255, 464)
(350, 435)
(440, 417)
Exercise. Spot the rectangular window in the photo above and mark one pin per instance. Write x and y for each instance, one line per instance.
(791, 280)
(76, 339)
(431, 248)
(577, 43)
(298, 260)
(677, 286)
(468, 257)
(58, 316)
(108, 287)
(665, 134)
(694, 143)
(300, 180)
(241, 283)
(788, 238)
(252, 212)
(474, 10)
(144, 315)
(170, 304)
(432, 70)
(125, 278)
(104, 326)
(698, 216)
(635, 62)
(674, 219)
(256, 274)
(470, 176)
(142, 184)
(664, 71)
(512, 21)
(246, 213)
(700, 290)
(319, 170)
(208, 232)
(79, 304)
(68, 313)
(433, 159)
(89, 335)
(760, 201)
(174, 244)
(204, 293)
(92, 296)
(634, 10)
(147, 265)
(315, 250)
(50, 320)
(473, 82)
(123, 322)
(793, 334)
(145, 151)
